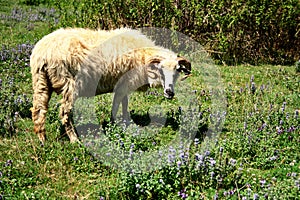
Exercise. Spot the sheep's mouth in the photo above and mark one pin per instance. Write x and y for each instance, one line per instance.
(169, 95)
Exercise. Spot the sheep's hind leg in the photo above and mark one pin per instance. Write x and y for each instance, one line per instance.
(68, 94)
(41, 97)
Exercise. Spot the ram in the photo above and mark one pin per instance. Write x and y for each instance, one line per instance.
(78, 62)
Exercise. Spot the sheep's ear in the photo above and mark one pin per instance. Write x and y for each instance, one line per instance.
(154, 60)
(184, 65)
(153, 67)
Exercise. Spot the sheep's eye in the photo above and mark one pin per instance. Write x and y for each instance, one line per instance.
(184, 70)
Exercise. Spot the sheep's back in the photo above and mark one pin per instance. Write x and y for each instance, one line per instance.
(94, 55)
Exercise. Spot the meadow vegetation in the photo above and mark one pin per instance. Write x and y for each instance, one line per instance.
(256, 154)
(236, 31)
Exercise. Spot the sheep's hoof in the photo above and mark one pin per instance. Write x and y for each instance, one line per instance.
(42, 138)
(127, 122)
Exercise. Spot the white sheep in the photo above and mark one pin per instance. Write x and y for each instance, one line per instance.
(82, 62)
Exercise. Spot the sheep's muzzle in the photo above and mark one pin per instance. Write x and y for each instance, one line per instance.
(169, 94)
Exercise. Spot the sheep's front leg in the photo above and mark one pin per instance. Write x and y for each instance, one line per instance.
(69, 96)
(125, 113)
(116, 103)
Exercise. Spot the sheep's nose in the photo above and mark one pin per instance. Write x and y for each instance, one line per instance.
(169, 93)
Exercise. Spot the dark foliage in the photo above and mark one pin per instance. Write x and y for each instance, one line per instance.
(235, 31)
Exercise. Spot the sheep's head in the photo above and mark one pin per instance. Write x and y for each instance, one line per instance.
(165, 71)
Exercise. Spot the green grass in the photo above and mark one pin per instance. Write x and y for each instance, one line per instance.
(256, 153)
(21, 24)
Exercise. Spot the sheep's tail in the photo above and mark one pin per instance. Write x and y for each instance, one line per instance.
(41, 95)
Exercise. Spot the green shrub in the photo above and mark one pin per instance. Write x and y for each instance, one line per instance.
(33, 2)
(234, 31)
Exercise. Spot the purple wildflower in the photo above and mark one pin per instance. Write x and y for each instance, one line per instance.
(262, 182)
(11, 81)
(262, 87)
(216, 196)
(262, 126)
(171, 155)
(8, 163)
(121, 143)
(212, 162)
(212, 174)
(179, 164)
(279, 130)
(182, 156)
(207, 153)
(241, 90)
(198, 157)
(273, 158)
(221, 149)
(297, 184)
(245, 125)
(131, 152)
(266, 196)
(232, 161)
(280, 122)
(182, 194)
(291, 129)
(255, 196)
(225, 193)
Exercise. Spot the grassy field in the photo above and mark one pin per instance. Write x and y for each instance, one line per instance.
(254, 156)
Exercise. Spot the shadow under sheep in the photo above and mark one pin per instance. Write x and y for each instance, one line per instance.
(142, 119)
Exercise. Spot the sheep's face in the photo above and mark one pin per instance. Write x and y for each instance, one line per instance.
(165, 72)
